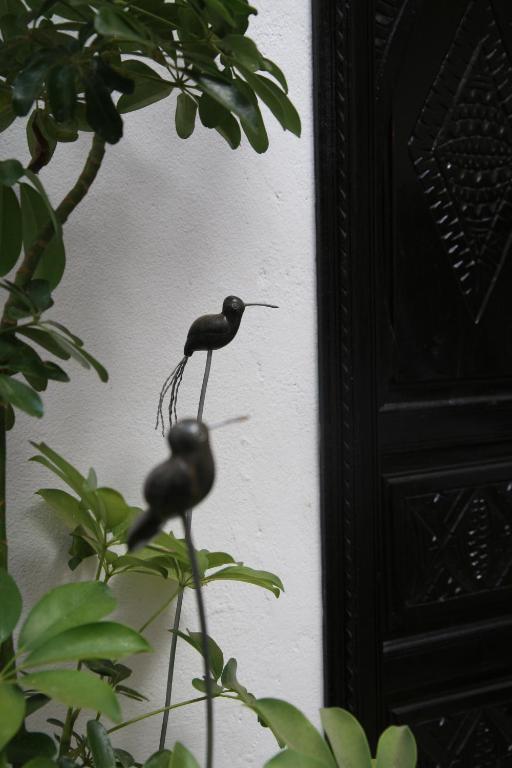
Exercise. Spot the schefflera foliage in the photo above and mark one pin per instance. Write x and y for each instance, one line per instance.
(99, 518)
(79, 66)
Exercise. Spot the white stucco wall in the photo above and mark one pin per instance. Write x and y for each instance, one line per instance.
(170, 228)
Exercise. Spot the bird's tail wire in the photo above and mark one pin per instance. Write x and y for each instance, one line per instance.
(170, 383)
(175, 389)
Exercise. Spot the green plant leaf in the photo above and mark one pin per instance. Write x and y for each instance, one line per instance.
(397, 748)
(76, 689)
(248, 575)
(107, 668)
(35, 216)
(346, 737)
(277, 74)
(20, 396)
(54, 372)
(186, 110)
(113, 78)
(167, 543)
(10, 417)
(229, 95)
(62, 91)
(216, 559)
(160, 759)
(39, 294)
(199, 683)
(243, 49)
(291, 759)
(34, 702)
(44, 197)
(230, 131)
(113, 508)
(78, 353)
(124, 758)
(114, 23)
(230, 681)
(45, 340)
(182, 758)
(28, 84)
(149, 87)
(98, 367)
(7, 114)
(10, 172)
(254, 129)
(28, 745)
(275, 99)
(101, 113)
(88, 641)
(10, 600)
(101, 748)
(67, 507)
(40, 139)
(62, 468)
(65, 607)
(294, 729)
(41, 762)
(194, 639)
(211, 112)
(12, 712)
(79, 550)
(130, 693)
(146, 565)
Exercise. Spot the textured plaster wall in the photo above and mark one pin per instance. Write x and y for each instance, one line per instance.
(170, 228)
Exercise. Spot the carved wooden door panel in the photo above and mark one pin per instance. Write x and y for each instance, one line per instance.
(414, 164)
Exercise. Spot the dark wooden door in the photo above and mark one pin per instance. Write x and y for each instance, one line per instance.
(414, 169)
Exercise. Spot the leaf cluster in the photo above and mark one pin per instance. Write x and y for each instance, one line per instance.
(79, 65)
(24, 335)
(66, 624)
(99, 519)
(345, 745)
(22, 347)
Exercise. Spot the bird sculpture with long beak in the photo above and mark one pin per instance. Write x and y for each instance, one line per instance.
(177, 484)
(207, 333)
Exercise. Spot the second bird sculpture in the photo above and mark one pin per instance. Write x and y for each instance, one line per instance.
(207, 333)
(172, 489)
(177, 484)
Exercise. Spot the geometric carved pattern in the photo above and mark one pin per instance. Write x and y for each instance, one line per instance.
(462, 150)
(459, 542)
(478, 738)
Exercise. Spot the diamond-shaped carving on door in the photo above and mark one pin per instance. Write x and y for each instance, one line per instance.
(460, 542)
(461, 147)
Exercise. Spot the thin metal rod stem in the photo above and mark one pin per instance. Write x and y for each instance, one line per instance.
(204, 642)
(205, 384)
(179, 603)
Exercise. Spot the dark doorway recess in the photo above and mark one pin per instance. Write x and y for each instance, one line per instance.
(414, 204)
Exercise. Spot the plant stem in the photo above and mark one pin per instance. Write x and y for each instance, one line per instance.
(3, 517)
(82, 185)
(7, 647)
(155, 712)
(179, 604)
(67, 731)
(24, 274)
(204, 642)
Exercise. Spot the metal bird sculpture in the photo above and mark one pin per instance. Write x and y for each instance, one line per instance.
(177, 484)
(207, 333)
(172, 489)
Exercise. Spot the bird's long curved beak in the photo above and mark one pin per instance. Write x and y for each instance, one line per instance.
(228, 422)
(258, 304)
